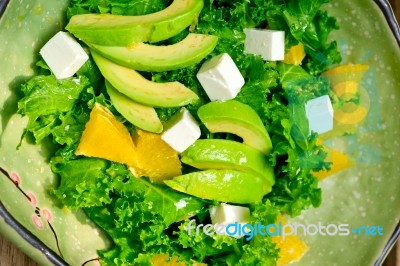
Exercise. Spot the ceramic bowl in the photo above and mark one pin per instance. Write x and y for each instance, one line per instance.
(367, 194)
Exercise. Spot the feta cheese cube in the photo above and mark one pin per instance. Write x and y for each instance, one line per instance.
(270, 44)
(319, 112)
(224, 214)
(220, 78)
(64, 55)
(181, 131)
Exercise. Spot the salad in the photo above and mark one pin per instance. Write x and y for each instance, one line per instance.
(118, 124)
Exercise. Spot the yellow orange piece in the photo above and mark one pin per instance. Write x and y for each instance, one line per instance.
(295, 55)
(350, 114)
(107, 138)
(155, 158)
(340, 161)
(346, 90)
(346, 69)
(292, 248)
(345, 73)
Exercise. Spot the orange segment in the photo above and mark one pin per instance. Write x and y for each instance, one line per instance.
(345, 73)
(155, 158)
(146, 153)
(350, 114)
(346, 69)
(107, 138)
(346, 84)
(340, 161)
(346, 90)
(292, 248)
(295, 55)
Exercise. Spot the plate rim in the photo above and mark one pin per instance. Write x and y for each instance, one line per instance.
(3, 5)
(387, 10)
(30, 238)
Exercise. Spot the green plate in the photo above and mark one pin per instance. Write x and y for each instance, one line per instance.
(367, 194)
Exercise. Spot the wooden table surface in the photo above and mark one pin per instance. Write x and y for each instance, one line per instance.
(11, 256)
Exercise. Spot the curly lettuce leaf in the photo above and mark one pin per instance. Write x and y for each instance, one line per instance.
(138, 229)
(292, 75)
(45, 95)
(140, 232)
(87, 182)
(92, 72)
(301, 87)
(46, 99)
(70, 128)
(295, 151)
(304, 21)
(117, 7)
(261, 250)
(169, 204)
(295, 188)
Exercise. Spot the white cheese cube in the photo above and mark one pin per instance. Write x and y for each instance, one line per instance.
(64, 55)
(319, 112)
(220, 78)
(270, 44)
(181, 131)
(224, 214)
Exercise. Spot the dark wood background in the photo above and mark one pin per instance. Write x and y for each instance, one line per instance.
(11, 256)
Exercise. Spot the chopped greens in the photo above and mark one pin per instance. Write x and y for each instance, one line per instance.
(130, 8)
(47, 102)
(304, 21)
(144, 219)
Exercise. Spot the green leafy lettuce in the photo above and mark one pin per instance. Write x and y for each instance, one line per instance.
(304, 21)
(144, 220)
(46, 102)
(118, 7)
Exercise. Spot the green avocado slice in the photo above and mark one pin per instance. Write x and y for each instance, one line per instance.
(107, 29)
(222, 185)
(142, 116)
(135, 86)
(236, 118)
(147, 57)
(227, 154)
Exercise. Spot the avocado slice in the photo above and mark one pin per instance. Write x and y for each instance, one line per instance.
(107, 29)
(142, 116)
(227, 154)
(147, 57)
(239, 119)
(135, 86)
(222, 185)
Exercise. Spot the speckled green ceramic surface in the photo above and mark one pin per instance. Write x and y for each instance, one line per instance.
(367, 194)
